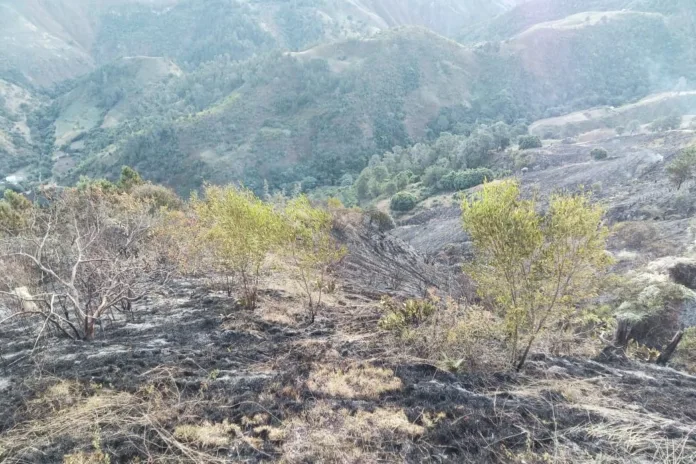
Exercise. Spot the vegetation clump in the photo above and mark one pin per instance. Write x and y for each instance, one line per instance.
(535, 268)
(528, 142)
(242, 230)
(599, 154)
(683, 168)
(403, 201)
(311, 247)
(400, 316)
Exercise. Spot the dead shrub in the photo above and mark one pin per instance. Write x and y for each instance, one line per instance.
(83, 254)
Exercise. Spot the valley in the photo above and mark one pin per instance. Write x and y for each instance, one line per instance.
(348, 231)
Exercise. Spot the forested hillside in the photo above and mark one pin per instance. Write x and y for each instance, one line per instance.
(283, 92)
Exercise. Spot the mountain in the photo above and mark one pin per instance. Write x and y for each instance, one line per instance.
(45, 42)
(190, 91)
(527, 14)
(325, 111)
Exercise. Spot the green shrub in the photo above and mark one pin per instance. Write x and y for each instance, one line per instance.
(462, 180)
(381, 220)
(530, 141)
(403, 315)
(403, 201)
(599, 154)
(160, 196)
(683, 167)
(390, 188)
(433, 174)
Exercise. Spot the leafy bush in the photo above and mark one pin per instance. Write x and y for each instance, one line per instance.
(433, 174)
(462, 180)
(400, 316)
(530, 141)
(158, 195)
(599, 154)
(381, 220)
(242, 230)
(667, 123)
(518, 252)
(311, 247)
(403, 201)
(683, 167)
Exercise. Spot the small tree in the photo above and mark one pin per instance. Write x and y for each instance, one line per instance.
(403, 201)
(311, 248)
(683, 167)
(599, 154)
(530, 141)
(242, 230)
(535, 268)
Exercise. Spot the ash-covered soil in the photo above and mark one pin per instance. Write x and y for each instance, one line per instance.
(277, 384)
(632, 184)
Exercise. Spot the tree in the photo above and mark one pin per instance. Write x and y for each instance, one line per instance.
(311, 247)
(403, 201)
(530, 141)
(620, 130)
(390, 188)
(362, 184)
(403, 179)
(683, 167)
(535, 268)
(80, 255)
(242, 231)
(380, 173)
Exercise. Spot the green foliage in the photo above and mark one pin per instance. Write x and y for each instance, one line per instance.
(403, 201)
(14, 208)
(462, 180)
(129, 179)
(400, 316)
(666, 123)
(433, 175)
(311, 247)
(530, 141)
(379, 219)
(599, 154)
(158, 196)
(683, 167)
(535, 268)
(242, 231)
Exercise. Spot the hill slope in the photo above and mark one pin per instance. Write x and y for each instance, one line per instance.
(43, 43)
(323, 112)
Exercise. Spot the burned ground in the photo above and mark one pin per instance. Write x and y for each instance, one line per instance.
(192, 379)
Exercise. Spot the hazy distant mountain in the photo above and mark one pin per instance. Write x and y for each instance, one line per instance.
(268, 89)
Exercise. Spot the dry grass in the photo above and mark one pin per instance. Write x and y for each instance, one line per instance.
(69, 411)
(328, 435)
(624, 433)
(208, 435)
(359, 381)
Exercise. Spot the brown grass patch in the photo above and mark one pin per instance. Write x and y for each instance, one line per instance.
(359, 381)
(328, 435)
